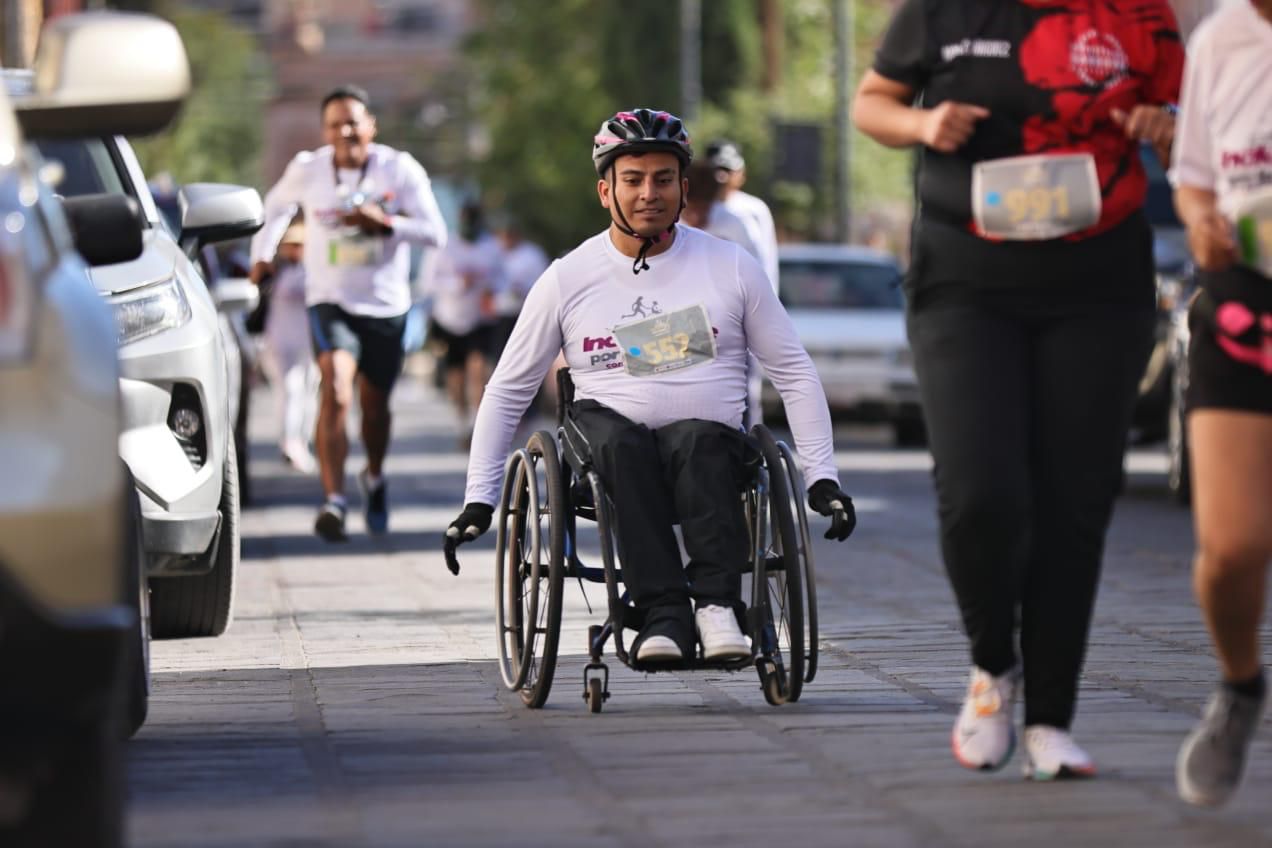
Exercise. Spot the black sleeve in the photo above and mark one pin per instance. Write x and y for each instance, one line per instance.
(902, 55)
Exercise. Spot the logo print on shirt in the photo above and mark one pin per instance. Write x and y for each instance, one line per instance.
(639, 310)
(1098, 59)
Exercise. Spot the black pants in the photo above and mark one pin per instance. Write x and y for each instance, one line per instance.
(1028, 413)
(691, 472)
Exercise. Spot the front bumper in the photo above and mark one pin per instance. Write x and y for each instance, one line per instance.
(180, 489)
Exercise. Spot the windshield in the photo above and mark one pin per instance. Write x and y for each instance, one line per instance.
(87, 164)
(839, 285)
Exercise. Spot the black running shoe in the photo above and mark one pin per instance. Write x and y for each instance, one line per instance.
(330, 524)
(375, 505)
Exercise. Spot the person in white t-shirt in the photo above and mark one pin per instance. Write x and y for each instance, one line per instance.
(523, 263)
(727, 159)
(288, 356)
(466, 281)
(659, 421)
(1222, 172)
(364, 205)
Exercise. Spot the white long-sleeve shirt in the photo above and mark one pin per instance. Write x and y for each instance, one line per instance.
(574, 307)
(1223, 138)
(466, 278)
(364, 275)
(759, 221)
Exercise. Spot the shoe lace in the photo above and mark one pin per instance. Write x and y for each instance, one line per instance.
(985, 695)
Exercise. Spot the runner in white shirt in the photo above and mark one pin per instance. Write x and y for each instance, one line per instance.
(725, 157)
(660, 415)
(364, 205)
(523, 263)
(466, 281)
(1222, 171)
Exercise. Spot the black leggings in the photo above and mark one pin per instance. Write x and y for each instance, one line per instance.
(1028, 413)
(691, 472)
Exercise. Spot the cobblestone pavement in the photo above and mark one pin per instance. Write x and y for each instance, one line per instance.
(356, 699)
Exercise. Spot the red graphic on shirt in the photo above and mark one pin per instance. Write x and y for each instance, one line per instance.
(1091, 59)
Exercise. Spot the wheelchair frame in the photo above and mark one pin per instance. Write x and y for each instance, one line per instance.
(536, 551)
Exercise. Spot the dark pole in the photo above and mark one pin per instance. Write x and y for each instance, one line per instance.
(690, 59)
(843, 24)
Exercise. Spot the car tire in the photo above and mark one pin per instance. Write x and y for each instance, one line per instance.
(909, 433)
(78, 795)
(1178, 472)
(137, 592)
(203, 604)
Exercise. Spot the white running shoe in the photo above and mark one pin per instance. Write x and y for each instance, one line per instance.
(1051, 753)
(659, 649)
(984, 736)
(720, 635)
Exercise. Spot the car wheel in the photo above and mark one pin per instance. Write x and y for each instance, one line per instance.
(909, 433)
(203, 604)
(1178, 475)
(137, 591)
(77, 794)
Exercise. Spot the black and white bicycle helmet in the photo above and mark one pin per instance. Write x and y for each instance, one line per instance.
(640, 131)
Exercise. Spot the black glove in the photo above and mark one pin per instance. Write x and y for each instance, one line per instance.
(472, 522)
(826, 498)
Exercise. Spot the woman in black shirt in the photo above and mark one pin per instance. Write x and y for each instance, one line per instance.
(1030, 314)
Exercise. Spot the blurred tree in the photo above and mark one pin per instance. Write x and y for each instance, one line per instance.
(217, 136)
(547, 71)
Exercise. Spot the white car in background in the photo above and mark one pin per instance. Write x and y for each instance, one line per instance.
(848, 310)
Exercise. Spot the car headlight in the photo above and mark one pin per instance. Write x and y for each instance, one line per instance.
(151, 309)
(17, 306)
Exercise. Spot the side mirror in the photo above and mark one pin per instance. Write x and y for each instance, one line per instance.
(235, 294)
(212, 212)
(104, 73)
(107, 227)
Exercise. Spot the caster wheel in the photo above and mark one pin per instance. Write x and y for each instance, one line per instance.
(595, 695)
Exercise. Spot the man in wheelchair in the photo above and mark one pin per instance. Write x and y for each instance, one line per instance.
(655, 320)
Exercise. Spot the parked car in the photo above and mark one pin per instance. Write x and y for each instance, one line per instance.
(226, 273)
(179, 405)
(847, 306)
(74, 656)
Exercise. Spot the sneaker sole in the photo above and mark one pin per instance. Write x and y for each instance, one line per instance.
(1189, 791)
(1065, 773)
(329, 528)
(973, 766)
(726, 654)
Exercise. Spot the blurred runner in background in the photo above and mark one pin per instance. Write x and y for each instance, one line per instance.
(466, 279)
(289, 360)
(726, 158)
(523, 263)
(1223, 178)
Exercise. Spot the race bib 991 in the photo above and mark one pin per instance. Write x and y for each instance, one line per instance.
(1031, 198)
(669, 342)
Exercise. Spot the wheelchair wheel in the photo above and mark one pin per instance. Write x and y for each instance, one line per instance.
(779, 591)
(530, 568)
(808, 575)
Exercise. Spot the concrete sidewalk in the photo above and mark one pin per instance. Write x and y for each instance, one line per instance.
(356, 699)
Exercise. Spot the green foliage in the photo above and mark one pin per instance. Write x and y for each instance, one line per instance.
(217, 136)
(546, 72)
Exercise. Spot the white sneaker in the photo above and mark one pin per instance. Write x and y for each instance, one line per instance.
(1051, 752)
(720, 635)
(984, 736)
(659, 649)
